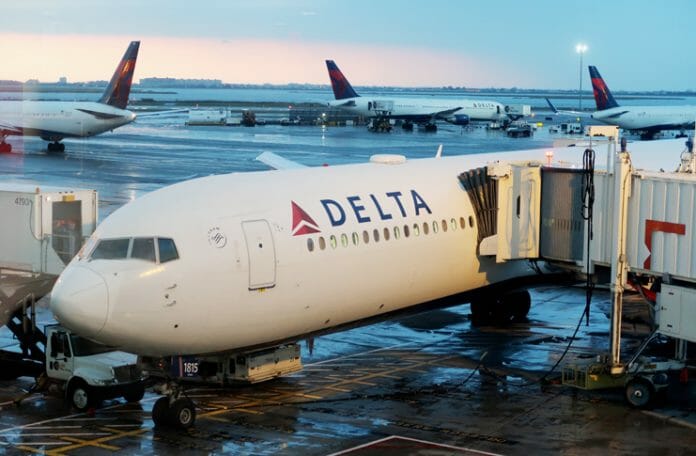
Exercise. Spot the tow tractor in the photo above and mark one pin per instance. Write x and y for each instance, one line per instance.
(83, 371)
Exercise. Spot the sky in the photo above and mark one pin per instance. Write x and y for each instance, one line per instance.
(636, 44)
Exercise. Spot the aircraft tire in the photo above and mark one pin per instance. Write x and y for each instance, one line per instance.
(182, 413)
(160, 411)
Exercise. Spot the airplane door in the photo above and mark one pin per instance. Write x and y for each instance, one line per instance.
(261, 250)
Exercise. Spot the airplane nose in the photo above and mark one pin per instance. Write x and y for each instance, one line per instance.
(80, 300)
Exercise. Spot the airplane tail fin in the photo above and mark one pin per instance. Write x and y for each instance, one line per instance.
(602, 95)
(553, 108)
(118, 90)
(341, 87)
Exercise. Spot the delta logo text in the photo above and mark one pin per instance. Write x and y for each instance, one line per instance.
(361, 209)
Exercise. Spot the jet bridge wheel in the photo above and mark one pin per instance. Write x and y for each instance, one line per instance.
(640, 393)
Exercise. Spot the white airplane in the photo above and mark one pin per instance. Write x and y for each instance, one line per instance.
(648, 120)
(230, 263)
(418, 110)
(55, 120)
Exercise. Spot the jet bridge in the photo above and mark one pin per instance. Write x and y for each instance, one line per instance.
(41, 230)
(627, 227)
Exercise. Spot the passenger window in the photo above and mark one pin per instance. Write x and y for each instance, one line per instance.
(471, 221)
(111, 249)
(416, 229)
(435, 227)
(322, 243)
(375, 234)
(310, 244)
(167, 250)
(344, 240)
(462, 223)
(406, 231)
(444, 225)
(356, 238)
(332, 240)
(425, 228)
(143, 249)
(454, 224)
(397, 233)
(366, 237)
(386, 234)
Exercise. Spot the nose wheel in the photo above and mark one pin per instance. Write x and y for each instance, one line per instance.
(180, 414)
(174, 409)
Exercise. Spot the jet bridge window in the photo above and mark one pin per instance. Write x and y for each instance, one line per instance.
(111, 249)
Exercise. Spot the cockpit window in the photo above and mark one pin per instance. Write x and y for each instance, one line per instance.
(111, 249)
(144, 249)
(137, 248)
(167, 250)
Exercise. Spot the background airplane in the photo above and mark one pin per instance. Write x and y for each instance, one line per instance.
(55, 120)
(419, 110)
(646, 120)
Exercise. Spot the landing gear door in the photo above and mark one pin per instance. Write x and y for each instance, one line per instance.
(261, 250)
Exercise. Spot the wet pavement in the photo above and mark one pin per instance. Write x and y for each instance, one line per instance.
(425, 384)
(433, 380)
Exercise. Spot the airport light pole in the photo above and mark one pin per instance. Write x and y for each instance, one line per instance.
(580, 49)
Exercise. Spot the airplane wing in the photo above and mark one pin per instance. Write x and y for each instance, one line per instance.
(278, 162)
(446, 113)
(159, 113)
(7, 129)
(618, 114)
(582, 114)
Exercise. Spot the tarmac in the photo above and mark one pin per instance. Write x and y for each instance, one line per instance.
(420, 385)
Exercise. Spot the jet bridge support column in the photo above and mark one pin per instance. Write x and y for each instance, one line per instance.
(619, 264)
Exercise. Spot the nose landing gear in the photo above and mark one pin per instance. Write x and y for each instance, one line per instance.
(174, 409)
(56, 147)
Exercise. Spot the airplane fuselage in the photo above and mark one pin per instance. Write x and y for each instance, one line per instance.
(270, 256)
(420, 109)
(55, 120)
(648, 117)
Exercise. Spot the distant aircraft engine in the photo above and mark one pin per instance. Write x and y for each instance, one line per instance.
(459, 119)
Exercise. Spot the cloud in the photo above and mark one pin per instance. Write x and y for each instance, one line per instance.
(83, 58)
